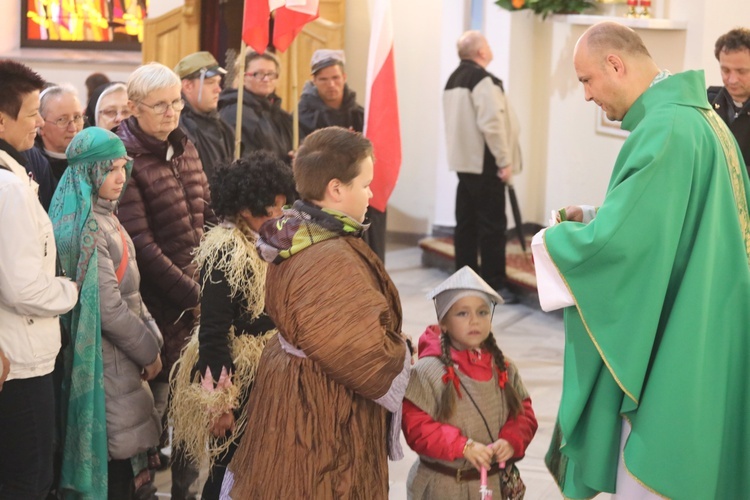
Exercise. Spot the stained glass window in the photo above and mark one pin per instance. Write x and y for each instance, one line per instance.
(84, 24)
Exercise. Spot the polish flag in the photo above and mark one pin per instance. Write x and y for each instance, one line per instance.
(291, 17)
(381, 106)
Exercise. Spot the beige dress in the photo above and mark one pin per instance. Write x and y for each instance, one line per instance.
(424, 390)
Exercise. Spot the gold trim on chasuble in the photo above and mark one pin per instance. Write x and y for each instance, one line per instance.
(735, 173)
(586, 326)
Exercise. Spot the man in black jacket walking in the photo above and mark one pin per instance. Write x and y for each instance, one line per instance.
(201, 86)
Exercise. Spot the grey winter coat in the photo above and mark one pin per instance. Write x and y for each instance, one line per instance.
(130, 341)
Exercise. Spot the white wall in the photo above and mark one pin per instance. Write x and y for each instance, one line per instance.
(10, 27)
(419, 43)
(158, 8)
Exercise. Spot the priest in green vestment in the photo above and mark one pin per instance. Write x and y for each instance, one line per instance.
(656, 289)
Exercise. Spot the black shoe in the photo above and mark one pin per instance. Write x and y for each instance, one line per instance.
(508, 296)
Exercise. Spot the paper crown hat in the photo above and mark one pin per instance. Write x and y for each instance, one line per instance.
(323, 58)
(463, 283)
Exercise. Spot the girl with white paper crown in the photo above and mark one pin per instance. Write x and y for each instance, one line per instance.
(466, 407)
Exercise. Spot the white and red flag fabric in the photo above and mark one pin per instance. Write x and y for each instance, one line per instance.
(381, 106)
(291, 17)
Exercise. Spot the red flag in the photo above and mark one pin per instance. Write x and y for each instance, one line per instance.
(255, 24)
(381, 108)
(290, 19)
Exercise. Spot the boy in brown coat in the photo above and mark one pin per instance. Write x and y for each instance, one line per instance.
(330, 384)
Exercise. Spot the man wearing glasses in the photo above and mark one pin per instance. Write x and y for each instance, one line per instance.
(63, 119)
(264, 124)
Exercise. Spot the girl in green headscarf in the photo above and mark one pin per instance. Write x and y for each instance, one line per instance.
(108, 416)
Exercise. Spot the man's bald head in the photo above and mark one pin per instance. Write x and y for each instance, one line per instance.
(614, 67)
(473, 46)
(611, 37)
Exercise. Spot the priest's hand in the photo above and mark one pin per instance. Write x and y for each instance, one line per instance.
(572, 213)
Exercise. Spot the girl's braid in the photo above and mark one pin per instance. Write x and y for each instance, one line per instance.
(511, 395)
(448, 398)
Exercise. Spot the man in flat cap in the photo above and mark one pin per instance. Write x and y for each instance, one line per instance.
(201, 86)
(327, 101)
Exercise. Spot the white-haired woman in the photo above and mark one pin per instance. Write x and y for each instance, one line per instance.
(164, 210)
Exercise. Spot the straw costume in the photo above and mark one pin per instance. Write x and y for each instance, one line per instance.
(481, 379)
(216, 378)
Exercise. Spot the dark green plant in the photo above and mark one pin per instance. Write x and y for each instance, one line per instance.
(547, 7)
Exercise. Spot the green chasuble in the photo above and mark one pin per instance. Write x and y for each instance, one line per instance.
(660, 331)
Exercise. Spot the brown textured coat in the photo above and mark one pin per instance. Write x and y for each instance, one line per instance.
(314, 430)
(164, 209)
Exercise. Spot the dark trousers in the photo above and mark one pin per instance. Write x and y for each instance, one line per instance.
(184, 472)
(212, 488)
(375, 235)
(120, 485)
(27, 424)
(480, 226)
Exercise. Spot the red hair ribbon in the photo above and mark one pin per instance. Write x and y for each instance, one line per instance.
(450, 375)
(502, 376)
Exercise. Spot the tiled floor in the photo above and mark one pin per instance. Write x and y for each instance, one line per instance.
(533, 339)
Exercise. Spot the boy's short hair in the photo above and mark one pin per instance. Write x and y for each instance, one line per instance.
(327, 154)
(18, 81)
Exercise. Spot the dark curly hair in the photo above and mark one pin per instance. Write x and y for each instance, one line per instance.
(250, 183)
(732, 41)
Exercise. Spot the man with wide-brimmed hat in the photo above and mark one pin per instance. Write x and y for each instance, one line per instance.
(201, 85)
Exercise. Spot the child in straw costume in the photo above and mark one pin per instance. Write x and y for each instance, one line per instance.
(212, 379)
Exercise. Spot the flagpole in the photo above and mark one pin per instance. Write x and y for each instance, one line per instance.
(295, 104)
(240, 94)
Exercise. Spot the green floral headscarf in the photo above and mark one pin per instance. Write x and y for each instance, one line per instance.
(83, 417)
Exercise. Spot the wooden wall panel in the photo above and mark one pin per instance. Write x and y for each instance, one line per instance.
(169, 38)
